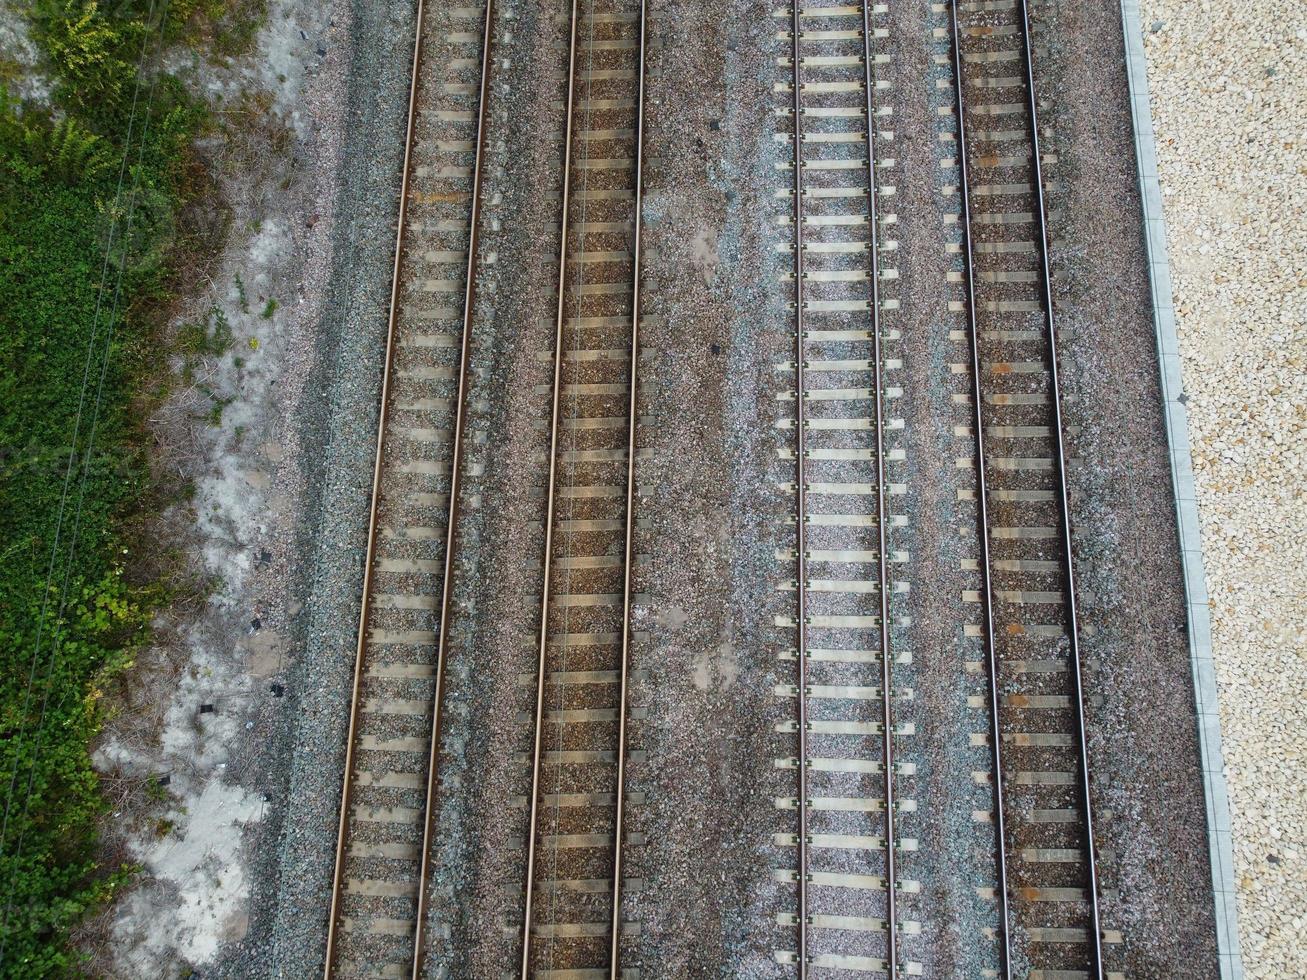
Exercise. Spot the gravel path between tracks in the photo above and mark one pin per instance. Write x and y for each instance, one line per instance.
(717, 327)
(1229, 94)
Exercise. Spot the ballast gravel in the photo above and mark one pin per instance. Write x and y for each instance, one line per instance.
(1229, 96)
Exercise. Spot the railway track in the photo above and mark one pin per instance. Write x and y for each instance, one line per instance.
(852, 899)
(571, 920)
(387, 798)
(1049, 899)
(847, 914)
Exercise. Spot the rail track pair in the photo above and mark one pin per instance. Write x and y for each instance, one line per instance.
(847, 838)
(572, 884)
(850, 852)
(848, 870)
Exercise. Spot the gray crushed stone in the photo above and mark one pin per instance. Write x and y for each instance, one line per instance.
(303, 756)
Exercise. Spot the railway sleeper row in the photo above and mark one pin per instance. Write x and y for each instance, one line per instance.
(1051, 891)
(837, 424)
(376, 892)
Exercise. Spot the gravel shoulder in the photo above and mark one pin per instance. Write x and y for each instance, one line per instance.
(241, 703)
(337, 421)
(1228, 100)
(715, 517)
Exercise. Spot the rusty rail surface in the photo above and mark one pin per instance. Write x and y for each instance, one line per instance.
(1046, 935)
(348, 781)
(534, 799)
(629, 549)
(982, 505)
(455, 485)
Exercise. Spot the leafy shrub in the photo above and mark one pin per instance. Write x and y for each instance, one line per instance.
(66, 151)
(93, 56)
(70, 346)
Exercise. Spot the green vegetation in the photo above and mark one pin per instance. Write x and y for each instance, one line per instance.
(222, 28)
(88, 195)
(212, 338)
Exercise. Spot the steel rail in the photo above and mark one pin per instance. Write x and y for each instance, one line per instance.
(982, 493)
(455, 484)
(348, 780)
(618, 826)
(801, 537)
(1064, 504)
(982, 503)
(528, 907)
(882, 516)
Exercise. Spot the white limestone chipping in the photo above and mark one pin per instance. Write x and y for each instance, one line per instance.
(1229, 100)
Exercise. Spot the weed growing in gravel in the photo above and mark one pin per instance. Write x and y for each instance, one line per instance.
(214, 418)
(212, 338)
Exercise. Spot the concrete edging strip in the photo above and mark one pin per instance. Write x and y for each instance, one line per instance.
(1186, 504)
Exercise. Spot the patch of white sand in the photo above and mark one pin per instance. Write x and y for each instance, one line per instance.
(197, 888)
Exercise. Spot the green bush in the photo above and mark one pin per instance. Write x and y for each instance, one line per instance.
(76, 620)
(66, 152)
(93, 56)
